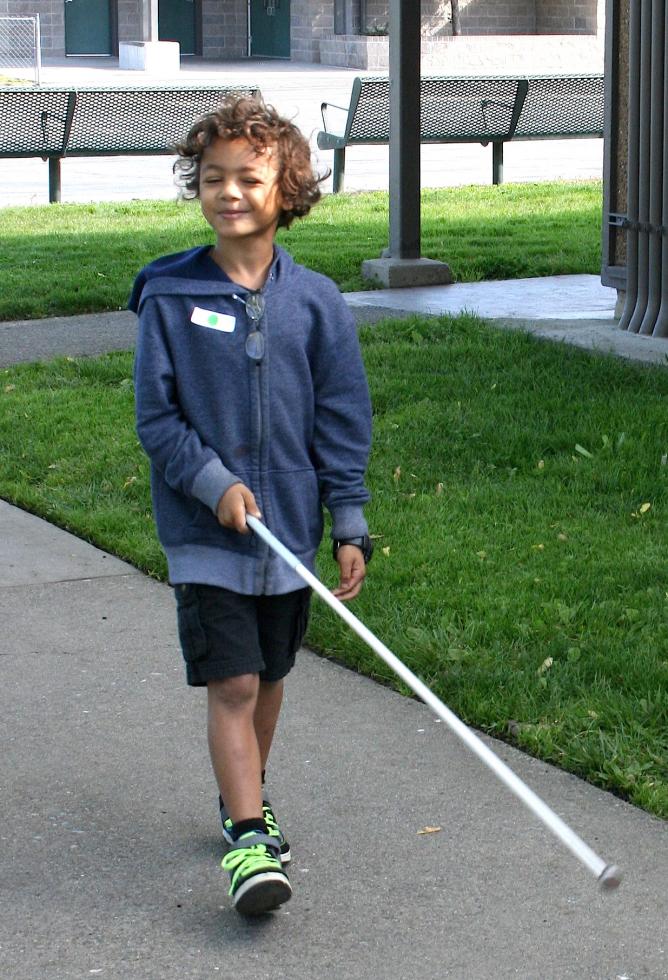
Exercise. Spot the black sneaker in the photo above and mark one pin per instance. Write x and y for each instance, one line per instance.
(272, 829)
(258, 882)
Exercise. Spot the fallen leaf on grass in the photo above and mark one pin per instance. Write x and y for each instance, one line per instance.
(429, 830)
(397, 474)
(386, 552)
(545, 666)
(583, 452)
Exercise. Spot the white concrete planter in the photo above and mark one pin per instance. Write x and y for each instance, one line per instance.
(155, 57)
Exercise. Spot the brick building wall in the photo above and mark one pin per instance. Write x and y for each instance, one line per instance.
(566, 16)
(500, 16)
(225, 25)
(129, 20)
(309, 22)
(224, 29)
(51, 18)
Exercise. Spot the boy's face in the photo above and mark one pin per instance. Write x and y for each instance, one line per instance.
(238, 190)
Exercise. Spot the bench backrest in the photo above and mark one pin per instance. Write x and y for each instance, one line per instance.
(450, 109)
(480, 109)
(89, 121)
(569, 105)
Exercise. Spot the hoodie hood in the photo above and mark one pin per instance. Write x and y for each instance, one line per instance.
(195, 273)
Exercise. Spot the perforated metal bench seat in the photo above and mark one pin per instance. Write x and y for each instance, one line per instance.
(53, 123)
(476, 109)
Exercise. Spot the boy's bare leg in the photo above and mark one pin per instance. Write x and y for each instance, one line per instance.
(267, 710)
(233, 744)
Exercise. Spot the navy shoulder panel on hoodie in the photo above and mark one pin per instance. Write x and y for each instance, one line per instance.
(194, 264)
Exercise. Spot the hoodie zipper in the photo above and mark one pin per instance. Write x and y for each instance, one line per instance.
(257, 382)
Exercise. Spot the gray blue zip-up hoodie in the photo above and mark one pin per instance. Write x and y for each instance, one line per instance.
(295, 427)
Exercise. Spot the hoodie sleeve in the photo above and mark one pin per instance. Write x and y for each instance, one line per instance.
(171, 443)
(342, 436)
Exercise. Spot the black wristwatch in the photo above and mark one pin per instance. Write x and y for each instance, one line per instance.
(364, 543)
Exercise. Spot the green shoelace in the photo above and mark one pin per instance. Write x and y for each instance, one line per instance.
(242, 862)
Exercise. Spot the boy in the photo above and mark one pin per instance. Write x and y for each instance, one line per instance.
(251, 397)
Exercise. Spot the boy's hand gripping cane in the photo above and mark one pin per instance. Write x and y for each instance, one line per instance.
(607, 874)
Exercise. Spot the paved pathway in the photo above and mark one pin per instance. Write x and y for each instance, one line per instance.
(110, 836)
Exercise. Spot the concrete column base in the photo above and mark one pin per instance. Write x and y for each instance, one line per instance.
(156, 57)
(402, 273)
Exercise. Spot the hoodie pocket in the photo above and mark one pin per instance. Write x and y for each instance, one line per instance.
(297, 513)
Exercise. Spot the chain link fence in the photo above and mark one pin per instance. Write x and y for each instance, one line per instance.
(20, 45)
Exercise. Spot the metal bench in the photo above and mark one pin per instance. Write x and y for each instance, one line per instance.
(53, 123)
(481, 109)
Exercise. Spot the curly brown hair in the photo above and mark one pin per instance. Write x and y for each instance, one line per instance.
(247, 117)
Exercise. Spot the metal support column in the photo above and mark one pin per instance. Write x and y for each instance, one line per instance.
(404, 164)
(150, 20)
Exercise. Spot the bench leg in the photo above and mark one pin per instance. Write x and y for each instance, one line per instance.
(339, 170)
(54, 180)
(497, 163)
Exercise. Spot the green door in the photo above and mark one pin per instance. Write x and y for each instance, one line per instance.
(270, 28)
(177, 22)
(87, 27)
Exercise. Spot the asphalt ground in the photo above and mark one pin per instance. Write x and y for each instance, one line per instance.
(111, 844)
(111, 841)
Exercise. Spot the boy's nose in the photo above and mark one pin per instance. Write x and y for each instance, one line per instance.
(230, 189)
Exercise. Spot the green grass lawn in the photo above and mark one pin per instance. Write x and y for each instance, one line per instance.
(519, 502)
(80, 258)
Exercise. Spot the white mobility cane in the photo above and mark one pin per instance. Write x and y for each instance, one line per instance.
(607, 874)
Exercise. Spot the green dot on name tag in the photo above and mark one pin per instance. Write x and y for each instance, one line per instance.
(213, 319)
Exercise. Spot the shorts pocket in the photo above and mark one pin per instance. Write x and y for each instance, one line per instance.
(191, 631)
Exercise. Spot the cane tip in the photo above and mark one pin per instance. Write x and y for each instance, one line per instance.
(610, 878)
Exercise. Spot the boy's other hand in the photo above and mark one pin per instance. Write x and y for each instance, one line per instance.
(233, 506)
(352, 569)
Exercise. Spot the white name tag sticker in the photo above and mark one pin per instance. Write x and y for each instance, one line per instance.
(213, 320)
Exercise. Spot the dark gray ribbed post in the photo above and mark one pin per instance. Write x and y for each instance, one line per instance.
(644, 163)
(632, 167)
(655, 171)
(661, 325)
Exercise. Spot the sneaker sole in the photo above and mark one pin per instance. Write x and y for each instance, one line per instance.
(262, 893)
(285, 856)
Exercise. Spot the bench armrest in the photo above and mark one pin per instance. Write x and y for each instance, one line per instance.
(324, 107)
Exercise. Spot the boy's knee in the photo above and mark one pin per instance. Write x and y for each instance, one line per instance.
(234, 692)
